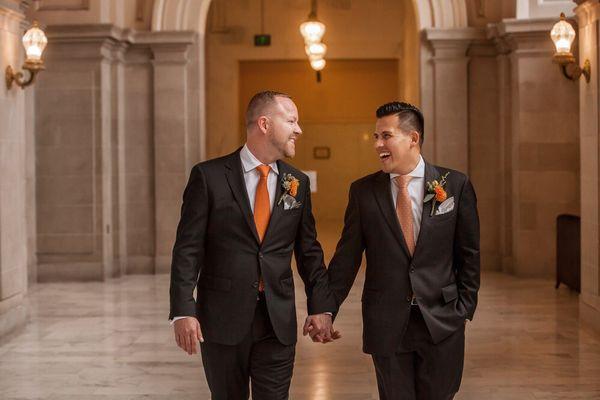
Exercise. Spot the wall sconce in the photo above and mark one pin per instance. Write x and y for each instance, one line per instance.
(34, 42)
(563, 35)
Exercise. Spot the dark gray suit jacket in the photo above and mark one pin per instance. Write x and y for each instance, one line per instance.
(443, 272)
(217, 250)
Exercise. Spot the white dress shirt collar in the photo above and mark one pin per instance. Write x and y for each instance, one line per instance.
(250, 162)
(418, 172)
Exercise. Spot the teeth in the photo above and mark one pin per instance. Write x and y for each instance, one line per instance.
(384, 154)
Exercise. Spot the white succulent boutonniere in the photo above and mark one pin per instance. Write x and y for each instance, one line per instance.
(436, 192)
(289, 185)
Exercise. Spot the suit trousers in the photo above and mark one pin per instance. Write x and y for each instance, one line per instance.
(420, 369)
(260, 359)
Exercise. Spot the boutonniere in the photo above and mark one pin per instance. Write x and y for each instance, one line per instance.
(289, 186)
(436, 192)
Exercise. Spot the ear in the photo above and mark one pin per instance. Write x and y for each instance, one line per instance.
(263, 123)
(415, 137)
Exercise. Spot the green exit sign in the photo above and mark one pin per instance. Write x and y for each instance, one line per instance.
(262, 40)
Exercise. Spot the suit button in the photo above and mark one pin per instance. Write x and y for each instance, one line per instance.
(255, 285)
(408, 298)
(260, 255)
(412, 270)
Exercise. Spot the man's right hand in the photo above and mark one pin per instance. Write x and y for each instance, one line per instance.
(187, 334)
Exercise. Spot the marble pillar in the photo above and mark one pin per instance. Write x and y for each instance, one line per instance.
(449, 132)
(77, 155)
(588, 15)
(540, 145)
(13, 174)
(115, 152)
(174, 156)
(484, 144)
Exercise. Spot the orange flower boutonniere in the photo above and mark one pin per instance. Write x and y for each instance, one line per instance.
(290, 185)
(436, 192)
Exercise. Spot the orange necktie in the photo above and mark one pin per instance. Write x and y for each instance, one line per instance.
(404, 211)
(262, 206)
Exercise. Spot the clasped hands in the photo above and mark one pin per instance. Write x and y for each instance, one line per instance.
(320, 328)
(188, 332)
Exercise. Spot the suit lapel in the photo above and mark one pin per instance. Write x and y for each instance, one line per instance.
(383, 195)
(277, 209)
(235, 179)
(431, 174)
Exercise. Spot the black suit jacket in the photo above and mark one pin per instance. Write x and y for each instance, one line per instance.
(217, 250)
(443, 272)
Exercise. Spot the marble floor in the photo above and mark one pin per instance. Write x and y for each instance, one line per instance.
(112, 341)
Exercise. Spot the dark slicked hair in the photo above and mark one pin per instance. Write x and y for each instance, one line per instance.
(259, 102)
(409, 116)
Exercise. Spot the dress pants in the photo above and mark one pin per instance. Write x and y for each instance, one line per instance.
(259, 360)
(420, 369)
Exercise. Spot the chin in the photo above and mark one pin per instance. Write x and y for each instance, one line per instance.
(290, 152)
(386, 167)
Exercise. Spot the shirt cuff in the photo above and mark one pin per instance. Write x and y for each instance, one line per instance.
(176, 318)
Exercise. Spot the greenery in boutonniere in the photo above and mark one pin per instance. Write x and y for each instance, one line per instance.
(436, 192)
(290, 185)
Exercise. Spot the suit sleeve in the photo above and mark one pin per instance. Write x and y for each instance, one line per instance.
(346, 261)
(466, 249)
(188, 250)
(310, 262)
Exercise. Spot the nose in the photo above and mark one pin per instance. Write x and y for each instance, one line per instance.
(298, 130)
(377, 143)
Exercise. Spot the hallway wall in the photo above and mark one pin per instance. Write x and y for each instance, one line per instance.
(386, 34)
(588, 14)
(338, 114)
(14, 214)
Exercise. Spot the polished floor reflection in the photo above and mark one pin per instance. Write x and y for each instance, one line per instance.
(113, 341)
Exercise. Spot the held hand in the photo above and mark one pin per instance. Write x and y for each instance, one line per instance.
(320, 328)
(187, 334)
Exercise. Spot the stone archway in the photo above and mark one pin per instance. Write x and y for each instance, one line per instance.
(442, 25)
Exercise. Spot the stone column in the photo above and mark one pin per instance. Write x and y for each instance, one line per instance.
(13, 177)
(77, 157)
(485, 162)
(540, 143)
(588, 15)
(450, 131)
(174, 156)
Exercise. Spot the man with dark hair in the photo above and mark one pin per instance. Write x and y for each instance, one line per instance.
(242, 217)
(419, 227)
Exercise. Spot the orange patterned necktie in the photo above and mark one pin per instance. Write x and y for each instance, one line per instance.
(404, 211)
(262, 206)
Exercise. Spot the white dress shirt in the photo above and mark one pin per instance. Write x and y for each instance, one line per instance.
(251, 177)
(416, 192)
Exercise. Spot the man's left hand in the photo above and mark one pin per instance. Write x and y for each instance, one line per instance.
(320, 328)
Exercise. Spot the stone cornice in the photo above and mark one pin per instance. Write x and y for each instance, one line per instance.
(11, 9)
(108, 42)
(587, 12)
(12, 5)
(101, 32)
(526, 27)
(438, 35)
(163, 37)
(523, 36)
(452, 44)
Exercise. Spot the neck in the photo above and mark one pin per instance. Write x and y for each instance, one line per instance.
(260, 151)
(410, 166)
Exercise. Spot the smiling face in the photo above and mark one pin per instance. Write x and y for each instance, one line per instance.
(283, 131)
(398, 150)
